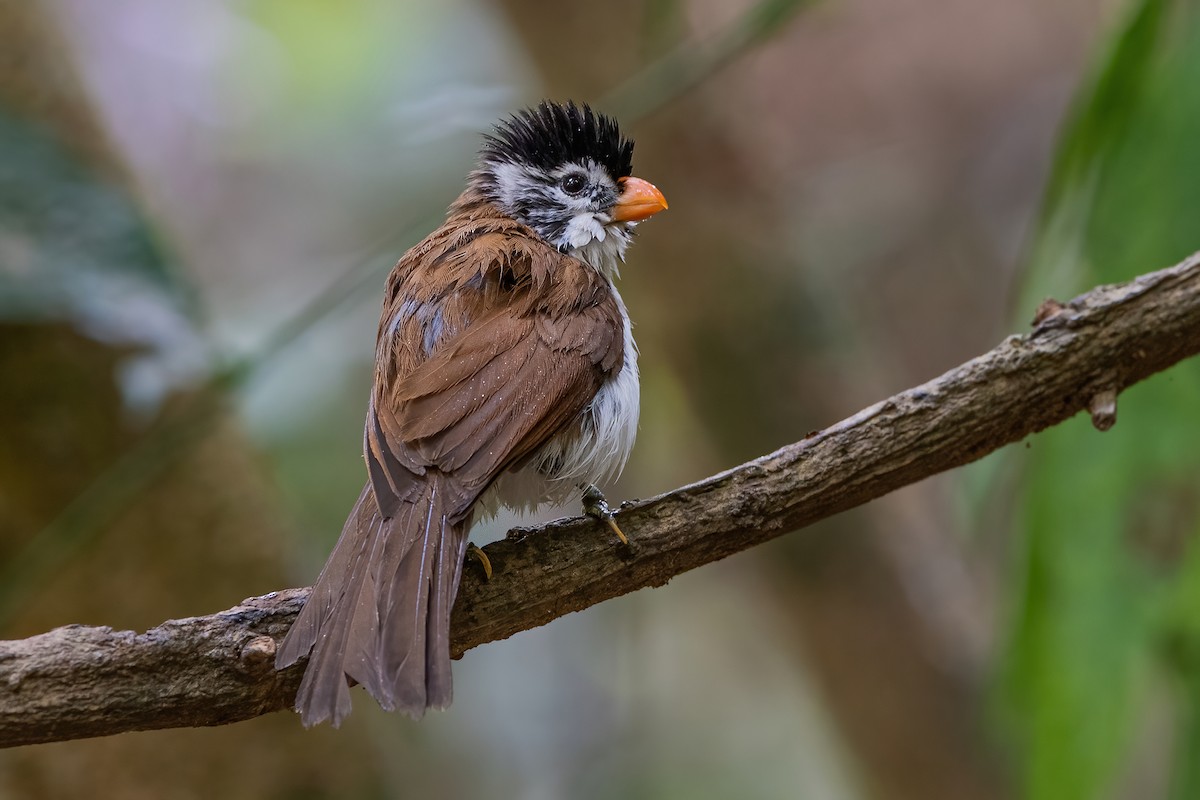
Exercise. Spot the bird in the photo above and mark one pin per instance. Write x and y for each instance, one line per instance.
(505, 374)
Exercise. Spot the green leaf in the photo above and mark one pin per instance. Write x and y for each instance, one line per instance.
(63, 227)
(1105, 576)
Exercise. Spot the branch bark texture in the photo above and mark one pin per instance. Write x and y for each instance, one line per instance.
(79, 681)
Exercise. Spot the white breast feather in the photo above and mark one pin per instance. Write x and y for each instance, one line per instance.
(600, 453)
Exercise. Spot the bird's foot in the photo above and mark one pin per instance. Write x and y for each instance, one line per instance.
(594, 505)
(476, 552)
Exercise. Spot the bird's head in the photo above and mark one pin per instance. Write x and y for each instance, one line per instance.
(565, 171)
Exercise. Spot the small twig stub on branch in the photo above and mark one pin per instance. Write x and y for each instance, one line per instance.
(1103, 409)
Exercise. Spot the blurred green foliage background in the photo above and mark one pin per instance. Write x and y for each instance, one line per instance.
(199, 201)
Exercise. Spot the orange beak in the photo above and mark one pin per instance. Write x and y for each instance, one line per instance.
(639, 199)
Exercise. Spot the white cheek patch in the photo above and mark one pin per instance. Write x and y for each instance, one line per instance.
(510, 179)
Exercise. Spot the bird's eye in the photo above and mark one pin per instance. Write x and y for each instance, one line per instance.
(574, 183)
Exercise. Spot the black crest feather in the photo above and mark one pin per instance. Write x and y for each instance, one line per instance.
(553, 134)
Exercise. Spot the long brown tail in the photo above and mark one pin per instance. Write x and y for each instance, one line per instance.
(380, 610)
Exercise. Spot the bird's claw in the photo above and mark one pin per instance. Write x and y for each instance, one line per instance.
(594, 505)
(475, 551)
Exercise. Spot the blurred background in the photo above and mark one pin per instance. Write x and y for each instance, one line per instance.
(199, 201)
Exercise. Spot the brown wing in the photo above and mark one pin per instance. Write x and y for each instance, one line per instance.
(518, 358)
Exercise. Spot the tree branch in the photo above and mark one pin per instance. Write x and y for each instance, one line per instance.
(77, 681)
